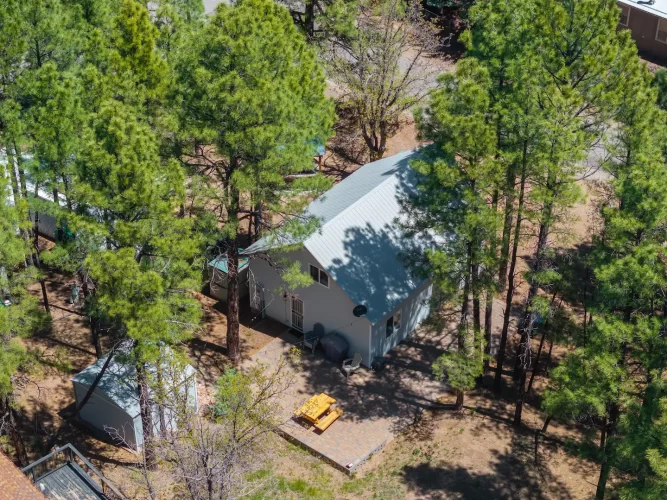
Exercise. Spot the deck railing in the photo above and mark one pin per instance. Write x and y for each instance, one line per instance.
(69, 454)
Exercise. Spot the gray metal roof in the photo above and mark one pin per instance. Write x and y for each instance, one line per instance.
(359, 242)
(119, 382)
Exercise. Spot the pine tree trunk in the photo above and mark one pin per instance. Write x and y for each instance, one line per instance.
(233, 340)
(500, 358)
(488, 299)
(521, 395)
(539, 433)
(602, 480)
(476, 310)
(527, 321)
(7, 409)
(488, 314)
(95, 333)
(161, 399)
(548, 365)
(42, 282)
(536, 367)
(510, 196)
(146, 411)
(310, 18)
(258, 220)
(458, 406)
(18, 195)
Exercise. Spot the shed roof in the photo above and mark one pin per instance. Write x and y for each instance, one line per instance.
(359, 242)
(220, 263)
(658, 8)
(119, 382)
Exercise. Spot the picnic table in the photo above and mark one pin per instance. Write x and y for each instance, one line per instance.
(317, 410)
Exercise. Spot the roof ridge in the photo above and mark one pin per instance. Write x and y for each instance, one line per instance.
(361, 198)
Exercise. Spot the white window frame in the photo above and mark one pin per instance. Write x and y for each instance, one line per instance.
(320, 273)
(627, 20)
(657, 30)
(394, 327)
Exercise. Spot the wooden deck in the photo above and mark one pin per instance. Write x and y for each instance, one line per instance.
(69, 481)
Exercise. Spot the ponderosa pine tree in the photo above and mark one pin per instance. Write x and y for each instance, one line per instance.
(19, 314)
(455, 189)
(581, 94)
(136, 257)
(252, 104)
(616, 379)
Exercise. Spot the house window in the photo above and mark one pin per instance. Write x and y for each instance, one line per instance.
(625, 15)
(394, 324)
(661, 34)
(320, 276)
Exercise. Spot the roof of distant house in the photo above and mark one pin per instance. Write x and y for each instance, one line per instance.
(14, 484)
(657, 8)
(360, 242)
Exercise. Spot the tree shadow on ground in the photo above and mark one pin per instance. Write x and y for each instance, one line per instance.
(513, 476)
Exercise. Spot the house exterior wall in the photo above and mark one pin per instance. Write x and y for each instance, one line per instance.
(414, 310)
(99, 412)
(643, 28)
(328, 306)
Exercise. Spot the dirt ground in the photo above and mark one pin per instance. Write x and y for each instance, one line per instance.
(472, 454)
(47, 397)
(447, 455)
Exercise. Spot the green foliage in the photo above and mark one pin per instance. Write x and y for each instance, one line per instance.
(461, 368)
(252, 89)
(660, 84)
(19, 314)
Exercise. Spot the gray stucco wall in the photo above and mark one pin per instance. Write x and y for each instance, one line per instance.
(329, 306)
(414, 310)
(332, 307)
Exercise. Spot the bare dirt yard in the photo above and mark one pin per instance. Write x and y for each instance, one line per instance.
(472, 454)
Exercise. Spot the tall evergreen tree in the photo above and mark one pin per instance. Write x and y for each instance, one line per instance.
(454, 199)
(19, 315)
(253, 103)
(617, 377)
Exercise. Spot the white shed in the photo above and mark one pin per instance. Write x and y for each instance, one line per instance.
(113, 408)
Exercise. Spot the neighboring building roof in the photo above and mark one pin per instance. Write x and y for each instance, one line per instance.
(659, 7)
(119, 382)
(70, 481)
(220, 263)
(359, 242)
(14, 484)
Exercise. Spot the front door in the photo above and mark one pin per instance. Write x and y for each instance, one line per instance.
(297, 313)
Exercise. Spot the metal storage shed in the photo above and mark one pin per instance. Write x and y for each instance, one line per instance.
(217, 271)
(113, 408)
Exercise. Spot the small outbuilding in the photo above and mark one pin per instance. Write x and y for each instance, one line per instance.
(218, 274)
(113, 409)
